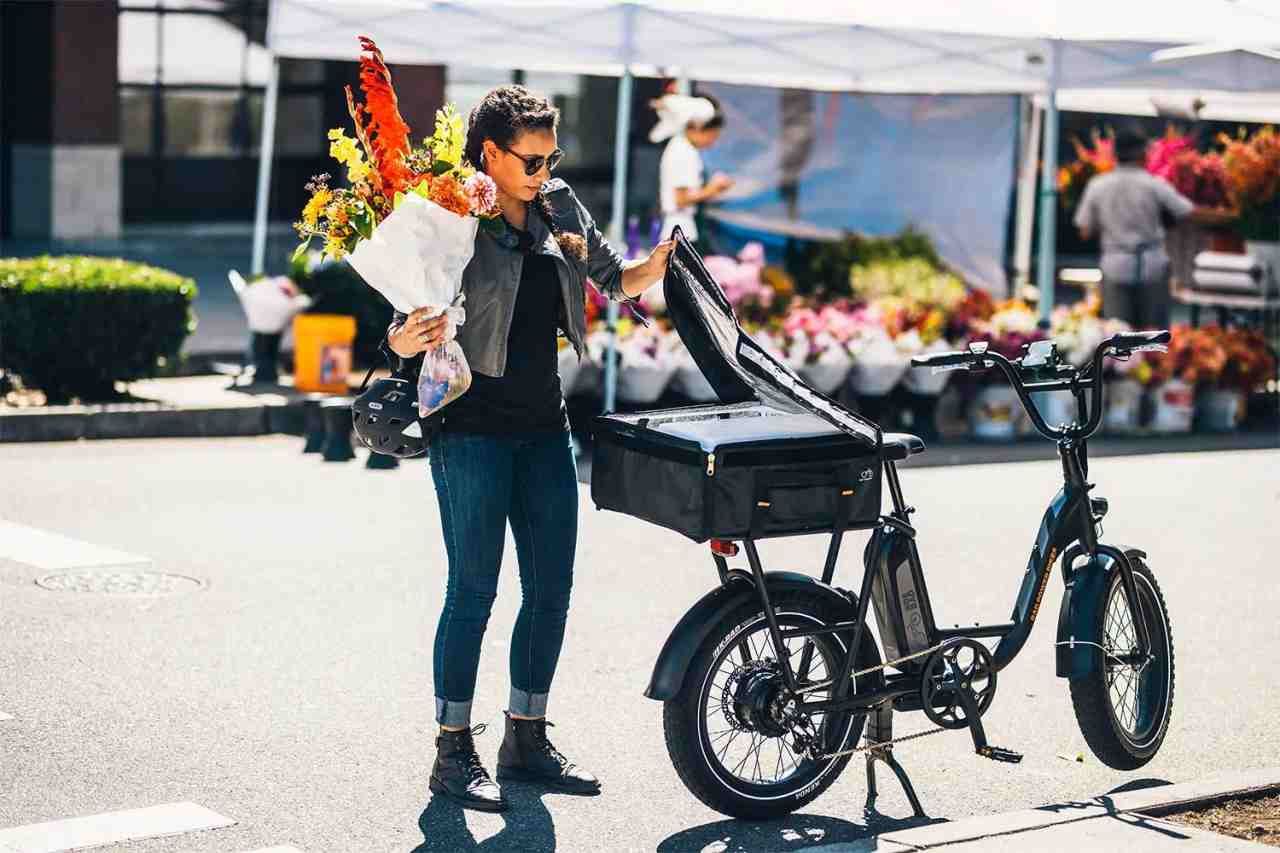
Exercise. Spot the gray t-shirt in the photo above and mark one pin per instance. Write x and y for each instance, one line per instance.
(1123, 207)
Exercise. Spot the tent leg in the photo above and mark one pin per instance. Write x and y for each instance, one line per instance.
(1026, 210)
(266, 152)
(1047, 267)
(616, 226)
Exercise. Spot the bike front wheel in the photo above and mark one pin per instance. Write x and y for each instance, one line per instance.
(1124, 706)
(735, 734)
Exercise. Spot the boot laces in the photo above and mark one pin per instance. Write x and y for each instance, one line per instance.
(545, 745)
(471, 759)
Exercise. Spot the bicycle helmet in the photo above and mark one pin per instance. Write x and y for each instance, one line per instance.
(386, 419)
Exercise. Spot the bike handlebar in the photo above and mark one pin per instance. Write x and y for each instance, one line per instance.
(1121, 345)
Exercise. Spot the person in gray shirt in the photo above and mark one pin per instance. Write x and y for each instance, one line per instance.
(1127, 208)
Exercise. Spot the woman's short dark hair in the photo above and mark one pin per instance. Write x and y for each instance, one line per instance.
(717, 119)
(504, 114)
(1131, 146)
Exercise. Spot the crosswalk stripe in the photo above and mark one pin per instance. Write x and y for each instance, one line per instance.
(110, 828)
(46, 550)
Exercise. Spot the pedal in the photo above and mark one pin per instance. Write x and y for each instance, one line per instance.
(997, 753)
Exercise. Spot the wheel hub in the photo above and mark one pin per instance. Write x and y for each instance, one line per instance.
(756, 699)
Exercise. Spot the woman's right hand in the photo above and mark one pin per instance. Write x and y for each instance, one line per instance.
(418, 333)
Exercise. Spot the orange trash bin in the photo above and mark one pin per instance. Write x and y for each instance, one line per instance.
(322, 346)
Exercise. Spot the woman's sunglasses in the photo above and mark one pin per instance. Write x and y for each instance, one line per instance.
(534, 162)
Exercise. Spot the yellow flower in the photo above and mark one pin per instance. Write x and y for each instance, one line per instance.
(335, 247)
(344, 149)
(315, 206)
(446, 143)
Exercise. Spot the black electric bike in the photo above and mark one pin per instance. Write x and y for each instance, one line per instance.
(769, 681)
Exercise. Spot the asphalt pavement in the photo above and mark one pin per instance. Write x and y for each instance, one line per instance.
(285, 684)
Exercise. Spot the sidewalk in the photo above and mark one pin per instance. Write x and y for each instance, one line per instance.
(1127, 821)
(208, 407)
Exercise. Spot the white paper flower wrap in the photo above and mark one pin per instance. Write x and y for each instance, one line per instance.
(415, 259)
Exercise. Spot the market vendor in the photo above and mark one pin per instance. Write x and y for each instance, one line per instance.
(1127, 208)
(692, 124)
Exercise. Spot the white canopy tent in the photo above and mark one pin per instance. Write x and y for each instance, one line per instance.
(927, 46)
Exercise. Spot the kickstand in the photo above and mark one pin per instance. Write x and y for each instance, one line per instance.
(880, 730)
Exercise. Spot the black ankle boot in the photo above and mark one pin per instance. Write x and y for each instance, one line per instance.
(459, 775)
(527, 756)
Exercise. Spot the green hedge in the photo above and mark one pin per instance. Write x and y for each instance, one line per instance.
(74, 325)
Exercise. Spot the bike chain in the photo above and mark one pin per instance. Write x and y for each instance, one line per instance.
(904, 738)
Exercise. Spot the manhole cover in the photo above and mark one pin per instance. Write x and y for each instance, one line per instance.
(119, 582)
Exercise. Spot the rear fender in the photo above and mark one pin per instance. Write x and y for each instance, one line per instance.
(696, 624)
(1078, 616)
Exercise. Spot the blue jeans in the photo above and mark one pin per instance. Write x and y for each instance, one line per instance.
(482, 482)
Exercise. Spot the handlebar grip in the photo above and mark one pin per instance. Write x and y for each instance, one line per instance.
(1133, 340)
(943, 359)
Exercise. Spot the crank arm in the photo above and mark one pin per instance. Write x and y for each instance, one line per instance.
(980, 745)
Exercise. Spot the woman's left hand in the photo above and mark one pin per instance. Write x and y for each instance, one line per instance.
(643, 275)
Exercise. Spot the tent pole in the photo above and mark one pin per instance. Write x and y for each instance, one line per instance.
(265, 154)
(1026, 211)
(617, 225)
(1047, 265)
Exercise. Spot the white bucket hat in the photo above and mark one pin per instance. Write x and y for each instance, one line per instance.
(675, 112)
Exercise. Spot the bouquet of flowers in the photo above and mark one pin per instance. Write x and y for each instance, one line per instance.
(407, 221)
(646, 365)
(1200, 177)
(1252, 166)
(914, 280)
(814, 344)
(1093, 159)
(1250, 361)
(742, 279)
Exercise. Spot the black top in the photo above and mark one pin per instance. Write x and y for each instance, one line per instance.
(526, 398)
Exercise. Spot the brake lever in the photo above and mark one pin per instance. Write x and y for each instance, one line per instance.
(943, 368)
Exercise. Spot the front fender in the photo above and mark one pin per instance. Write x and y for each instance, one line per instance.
(1078, 615)
(692, 629)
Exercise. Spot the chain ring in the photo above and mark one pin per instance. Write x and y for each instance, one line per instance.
(947, 672)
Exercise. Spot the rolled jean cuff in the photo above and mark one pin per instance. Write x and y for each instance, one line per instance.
(451, 713)
(525, 704)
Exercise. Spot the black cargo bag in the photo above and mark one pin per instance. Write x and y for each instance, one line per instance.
(774, 458)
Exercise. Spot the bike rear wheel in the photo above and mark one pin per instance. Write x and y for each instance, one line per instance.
(1124, 708)
(732, 732)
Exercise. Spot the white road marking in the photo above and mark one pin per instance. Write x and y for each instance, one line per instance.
(46, 550)
(110, 828)
(4, 716)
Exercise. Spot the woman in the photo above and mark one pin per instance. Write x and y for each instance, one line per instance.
(692, 125)
(502, 451)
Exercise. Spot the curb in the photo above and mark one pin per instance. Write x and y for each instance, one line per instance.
(1159, 800)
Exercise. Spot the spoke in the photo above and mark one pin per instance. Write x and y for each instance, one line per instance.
(727, 744)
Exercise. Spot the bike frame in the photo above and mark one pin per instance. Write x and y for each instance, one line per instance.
(1069, 526)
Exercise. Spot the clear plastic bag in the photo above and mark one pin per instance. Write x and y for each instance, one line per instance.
(445, 375)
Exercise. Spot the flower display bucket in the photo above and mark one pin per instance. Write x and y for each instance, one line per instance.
(689, 381)
(1175, 407)
(875, 379)
(1122, 414)
(1055, 407)
(322, 352)
(643, 384)
(922, 380)
(993, 413)
(826, 375)
(1220, 409)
